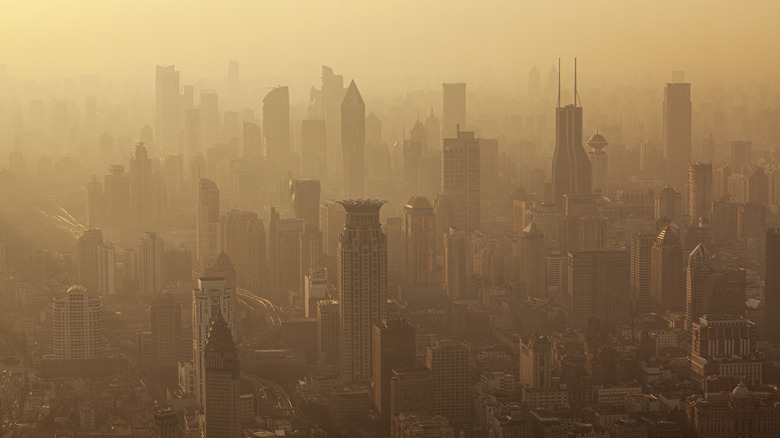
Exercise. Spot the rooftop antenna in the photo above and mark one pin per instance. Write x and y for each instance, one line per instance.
(559, 82)
(576, 96)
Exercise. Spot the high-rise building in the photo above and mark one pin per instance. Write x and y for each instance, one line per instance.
(532, 256)
(243, 241)
(455, 264)
(332, 96)
(556, 273)
(142, 202)
(88, 245)
(315, 289)
(276, 128)
(285, 253)
(454, 105)
(373, 129)
(723, 346)
(151, 266)
(461, 182)
(599, 287)
(328, 333)
(419, 241)
(395, 244)
(434, 132)
(536, 362)
(208, 221)
(117, 197)
(667, 271)
(449, 365)
(166, 423)
(571, 168)
(106, 265)
(211, 299)
(77, 324)
(95, 204)
(222, 382)
(394, 348)
(710, 290)
(599, 162)
(353, 142)
(167, 330)
(167, 124)
(641, 244)
(410, 390)
(668, 204)
(311, 252)
(488, 165)
(305, 197)
(209, 117)
(771, 324)
(677, 132)
(314, 148)
(362, 286)
(699, 191)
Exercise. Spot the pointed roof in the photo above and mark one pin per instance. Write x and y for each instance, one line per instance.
(219, 338)
(699, 254)
(352, 96)
(668, 234)
(533, 230)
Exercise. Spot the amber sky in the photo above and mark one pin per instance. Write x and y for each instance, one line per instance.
(493, 41)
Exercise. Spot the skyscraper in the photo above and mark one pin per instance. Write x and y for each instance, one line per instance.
(677, 132)
(314, 148)
(353, 142)
(771, 323)
(419, 241)
(332, 96)
(454, 105)
(285, 252)
(667, 271)
(394, 348)
(741, 154)
(276, 128)
(208, 221)
(449, 365)
(532, 260)
(571, 168)
(117, 197)
(434, 132)
(95, 204)
(699, 191)
(599, 163)
(77, 323)
(222, 407)
(315, 289)
(211, 299)
(151, 266)
(328, 333)
(362, 286)
(536, 362)
(641, 243)
(167, 107)
(166, 325)
(106, 265)
(599, 287)
(710, 290)
(668, 204)
(141, 201)
(88, 245)
(461, 182)
(243, 241)
(455, 264)
(305, 196)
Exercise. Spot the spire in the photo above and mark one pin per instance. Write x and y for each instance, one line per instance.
(559, 82)
(576, 95)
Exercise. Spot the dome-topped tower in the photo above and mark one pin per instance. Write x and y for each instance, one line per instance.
(599, 162)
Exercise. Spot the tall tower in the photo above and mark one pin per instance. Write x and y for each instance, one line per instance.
(641, 243)
(455, 264)
(772, 285)
(536, 364)
(314, 148)
(461, 181)
(151, 267)
(353, 142)
(167, 109)
(449, 365)
(532, 260)
(208, 221)
(454, 104)
(599, 162)
(95, 204)
(667, 271)
(210, 299)
(394, 348)
(332, 95)
(141, 203)
(434, 132)
(117, 197)
(419, 241)
(571, 168)
(699, 191)
(286, 236)
(668, 204)
(88, 245)
(599, 287)
(222, 407)
(243, 241)
(677, 132)
(78, 325)
(699, 270)
(276, 128)
(305, 196)
(166, 327)
(362, 286)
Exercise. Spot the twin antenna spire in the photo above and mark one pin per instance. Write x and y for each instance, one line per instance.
(576, 95)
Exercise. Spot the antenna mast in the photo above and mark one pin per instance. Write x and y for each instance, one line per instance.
(576, 95)
(559, 82)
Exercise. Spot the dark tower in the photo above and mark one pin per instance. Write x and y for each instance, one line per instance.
(571, 168)
(223, 382)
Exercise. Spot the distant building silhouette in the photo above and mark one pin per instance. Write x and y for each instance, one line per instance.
(208, 221)
(210, 300)
(699, 191)
(394, 348)
(222, 376)
(667, 271)
(151, 266)
(449, 365)
(353, 142)
(677, 132)
(454, 105)
(276, 129)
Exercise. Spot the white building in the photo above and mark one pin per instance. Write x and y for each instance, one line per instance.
(77, 323)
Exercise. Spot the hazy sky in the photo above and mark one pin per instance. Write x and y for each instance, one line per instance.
(382, 42)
